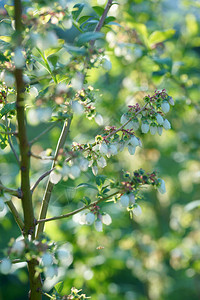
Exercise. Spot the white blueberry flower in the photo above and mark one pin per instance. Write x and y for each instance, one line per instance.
(63, 254)
(124, 200)
(77, 82)
(166, 124)
(98, 225)
(134, 141)
(8, 79)
(51, 271)
(74, 172)
(101, 162)
(129, 125)
(19, 59)
(153, 129)
(95, 170)
(18, 247)
(55, 177)
(171, 101)
(161, 188)
(113, 149)
(67, 23)
(47, 259)
(131, 149)
(165, 107)
(61, 88)
(140, 143)
(77, 107)
(159, 119)
(160, 130)
(137, 210)
(33, 92)
(145, 127)
(99, 119)
(90, 217)
(120, 146)
(124, 119)
(2, 204)
(106, 219)
(5, 266)
(84, 164)
(103, 148)
(135, 124)
(131, 199)
(82, 218)
(106, 64)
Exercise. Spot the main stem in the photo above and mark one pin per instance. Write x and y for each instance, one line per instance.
(29, 220)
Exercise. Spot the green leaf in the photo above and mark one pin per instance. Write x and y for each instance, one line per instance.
(75, 50)
(99, 10)
(5, 38)
(9, 9)
(84, 19)
(141, 30)
(86, 200)
(8, 107)
(3, 58)
(3, 138)
(100, 179)
(87, 185)
(59, 287)
(160, 36)
(109, 19)
(77, 9)
(88, 36)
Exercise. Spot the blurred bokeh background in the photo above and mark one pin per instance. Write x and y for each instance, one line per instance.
(155, 256)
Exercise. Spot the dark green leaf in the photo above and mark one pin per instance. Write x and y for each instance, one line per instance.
(59, 287)
(109, 19)
(87, 185)
(88, 36)
(77, 9)
(100, 179)
(7, 108)
(98, 9)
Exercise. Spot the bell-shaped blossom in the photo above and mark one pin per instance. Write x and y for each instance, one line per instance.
(5, 266)
(77, 107)
(51, 271)
(135, 124)
(101, 162)
(2, 204)
(55, 177)
(165, 107)
(106, 219)
(137, 210)
(112, 150)
(67, 23)
(124, 119)
(106, 64)
(82, 218)
(124, 200)
(19, 59)
(33, 92)
(90, 217)
(153, 129)
(99, 119)
(103, 148)
(134, 141)
(95, 170)
(7, 78)
(84, 164)
(171, 101)
(131, 198)
(98, 225)
(145, 127)
(167, 124)
(18, 247)
(47, 259)
(131, 149)
(160, 130)
(74, 172)
(159, 119)
(77, 82)
(161, 187)
(120, 146)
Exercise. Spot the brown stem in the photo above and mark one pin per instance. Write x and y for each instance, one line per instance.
(50, 185)
(16, 215)
(40, 179)
(77, 210)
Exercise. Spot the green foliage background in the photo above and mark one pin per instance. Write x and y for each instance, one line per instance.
(156, 255)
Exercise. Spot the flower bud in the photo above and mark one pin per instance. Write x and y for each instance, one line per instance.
(134, 141)
(2, 204)
(137, 210)
(124, 119)
(103, 148)
(106, 219)
(94, 170)
(5, 266)
(167, 124)
(74, 172)
(99, 119)
(8, 79)
(101, 162)
(153, 129)
(165, 107)
(145, 127)
(77, 107)
(171, 101)
(106, 64)
(90, 217)
(84, 163)
(98, 225)
(33, 92)
(135, 124)
(47, 259)
(159, 119)
(55, 177)
(124, 200)
(131, 149)
(161, 187)
(19, 59)
(18, 247)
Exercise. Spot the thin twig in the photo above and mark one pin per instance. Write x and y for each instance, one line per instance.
(12, 192)
(77, 210)
(50, 185)
(40, 179)
(41, 157)
(16, 215)
(9, 139)
(42, 133)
